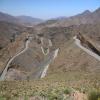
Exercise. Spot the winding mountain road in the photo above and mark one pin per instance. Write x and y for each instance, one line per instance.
(48, 61)
(50, 45)
(46, 66)
(43, 51)
(43, 67)
(78, 43)
(2, 77)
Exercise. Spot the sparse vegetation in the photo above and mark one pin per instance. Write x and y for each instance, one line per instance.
(52, 90)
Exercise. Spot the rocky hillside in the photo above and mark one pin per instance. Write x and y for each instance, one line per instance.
(8, 32)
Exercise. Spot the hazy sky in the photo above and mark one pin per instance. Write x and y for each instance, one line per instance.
(47, 8)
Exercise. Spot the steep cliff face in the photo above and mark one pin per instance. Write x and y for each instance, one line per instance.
(88, 44)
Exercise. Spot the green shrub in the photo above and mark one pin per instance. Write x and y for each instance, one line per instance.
(2, 98)
(67, 91)
(95, 95)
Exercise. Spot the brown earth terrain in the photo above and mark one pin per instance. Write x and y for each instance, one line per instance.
(72, 67)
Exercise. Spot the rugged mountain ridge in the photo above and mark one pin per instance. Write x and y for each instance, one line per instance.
(86, 17)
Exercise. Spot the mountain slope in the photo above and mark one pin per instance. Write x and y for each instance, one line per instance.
(8, 32)
(8, 18)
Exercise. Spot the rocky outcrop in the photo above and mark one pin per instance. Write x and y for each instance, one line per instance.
(88, 44)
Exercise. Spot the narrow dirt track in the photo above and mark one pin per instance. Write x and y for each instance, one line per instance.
(2, 77)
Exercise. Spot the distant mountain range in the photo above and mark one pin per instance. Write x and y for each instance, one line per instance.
(86, 17)
(10, 26)
(22, 20)
(29, 20)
